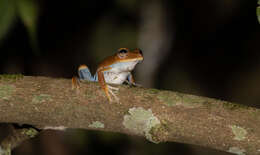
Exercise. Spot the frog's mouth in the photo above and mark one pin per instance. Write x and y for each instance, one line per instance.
(133, 60)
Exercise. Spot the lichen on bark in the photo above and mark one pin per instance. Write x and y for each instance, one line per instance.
(141, 121)
(6, 91)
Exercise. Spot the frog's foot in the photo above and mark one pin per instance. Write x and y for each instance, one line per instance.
(137, 85)
(113, 88)
(110, 90)
(133, 84)
(75, 83)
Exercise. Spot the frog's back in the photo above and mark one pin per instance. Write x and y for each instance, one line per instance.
(106, 62)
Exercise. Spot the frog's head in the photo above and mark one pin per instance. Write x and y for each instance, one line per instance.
(125, 55)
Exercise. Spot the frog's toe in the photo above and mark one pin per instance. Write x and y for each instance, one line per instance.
(114, 95)
(113, 88)
(110, 90)
(137, 85)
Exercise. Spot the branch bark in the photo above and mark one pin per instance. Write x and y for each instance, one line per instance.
(158, 115)
(15, 138)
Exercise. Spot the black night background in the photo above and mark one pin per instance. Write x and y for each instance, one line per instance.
(206, 48)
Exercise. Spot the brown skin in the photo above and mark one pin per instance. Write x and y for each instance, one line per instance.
(101, 80)
(129, 56)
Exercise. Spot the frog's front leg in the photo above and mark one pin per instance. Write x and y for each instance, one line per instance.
(107, 88)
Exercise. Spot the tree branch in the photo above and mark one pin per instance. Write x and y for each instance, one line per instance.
(157, 115)
(15, 138)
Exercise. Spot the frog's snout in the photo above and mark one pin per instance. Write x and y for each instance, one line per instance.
(140, 52)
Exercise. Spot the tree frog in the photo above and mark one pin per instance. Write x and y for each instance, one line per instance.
(114, 69)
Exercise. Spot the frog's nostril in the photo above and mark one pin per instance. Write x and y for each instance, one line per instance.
(140, 51)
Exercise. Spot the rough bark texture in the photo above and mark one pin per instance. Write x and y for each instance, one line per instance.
(155, 114)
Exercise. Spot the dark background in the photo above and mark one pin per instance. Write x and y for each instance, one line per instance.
(207, 48)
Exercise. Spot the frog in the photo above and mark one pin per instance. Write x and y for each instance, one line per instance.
(115, 69)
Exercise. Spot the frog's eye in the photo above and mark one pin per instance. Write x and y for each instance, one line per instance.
(122, 53)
